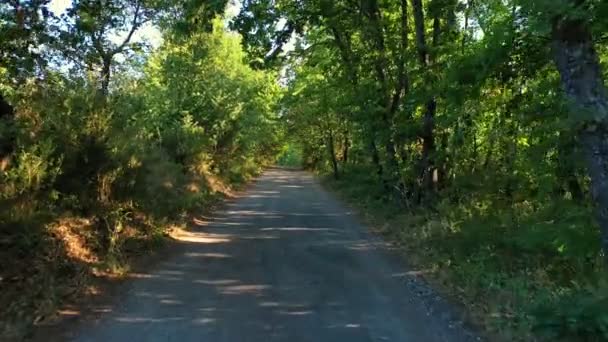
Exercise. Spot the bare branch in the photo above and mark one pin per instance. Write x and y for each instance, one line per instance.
(134, 26)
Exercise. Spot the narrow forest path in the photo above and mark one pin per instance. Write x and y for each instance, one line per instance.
(285, 262)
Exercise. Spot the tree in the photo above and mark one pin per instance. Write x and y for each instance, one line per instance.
(103, 30)
(23, 28)
(577, 60)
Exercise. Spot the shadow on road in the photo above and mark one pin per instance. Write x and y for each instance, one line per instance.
(283, 262)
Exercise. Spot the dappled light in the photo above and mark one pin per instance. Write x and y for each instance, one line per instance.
(272, 271)
(220, 282)
(164, 167)
(208, 255)
(296, 229)
(202, 237)
(68, 312)
(108, 141)
(148, 320)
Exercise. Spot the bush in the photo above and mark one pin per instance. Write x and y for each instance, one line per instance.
(36, 169)
(578, 314)
(525, 271)
(195, 120)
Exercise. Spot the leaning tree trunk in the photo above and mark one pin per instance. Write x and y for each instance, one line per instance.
(577, 61)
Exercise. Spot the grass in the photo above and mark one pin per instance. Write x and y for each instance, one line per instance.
(524, 271)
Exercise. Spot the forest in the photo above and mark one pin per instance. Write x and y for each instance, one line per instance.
(473, 134)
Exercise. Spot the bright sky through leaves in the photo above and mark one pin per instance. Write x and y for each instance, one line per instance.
(147, 33)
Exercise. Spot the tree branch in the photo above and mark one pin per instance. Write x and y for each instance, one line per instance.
(134, 26)
(97, 42)
(402, 77)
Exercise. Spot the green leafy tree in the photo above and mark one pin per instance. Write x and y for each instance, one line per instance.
(101, 31)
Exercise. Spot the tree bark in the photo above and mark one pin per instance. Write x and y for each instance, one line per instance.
(346, 54)
(381, 65)
(106, 70)
(376, 158)
(420, 34)
(403, 82)
(581, 77)
(566, 170)
(350, 68)
(7, 142)
(467, 15)
(428, 146)
(332, 153)
(428, 139)
(345, 148)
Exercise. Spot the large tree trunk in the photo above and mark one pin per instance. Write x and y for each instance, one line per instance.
(578, 65)
(427, 164)
(7, 141)
(420, 33)
(566, 169)
(106, 71)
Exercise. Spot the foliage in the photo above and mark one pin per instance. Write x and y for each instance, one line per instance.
(290, 156)
(476, 129)
(475, 117)
(22, 28)
(580, 314)
(523, 273)
(91, 174)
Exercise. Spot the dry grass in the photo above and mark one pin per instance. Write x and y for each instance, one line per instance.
(65, 259)
(76, 234)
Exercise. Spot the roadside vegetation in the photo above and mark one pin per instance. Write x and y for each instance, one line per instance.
(106, 142)
(474, 134)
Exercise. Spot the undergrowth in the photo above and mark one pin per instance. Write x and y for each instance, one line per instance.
(56, 250)
(90, 179)
(526, 270)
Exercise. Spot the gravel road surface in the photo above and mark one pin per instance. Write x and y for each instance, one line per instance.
(283, 262)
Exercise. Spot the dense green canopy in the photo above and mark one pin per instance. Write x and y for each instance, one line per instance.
(488, 116)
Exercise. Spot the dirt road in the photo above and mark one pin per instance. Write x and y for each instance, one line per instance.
(285, 262)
